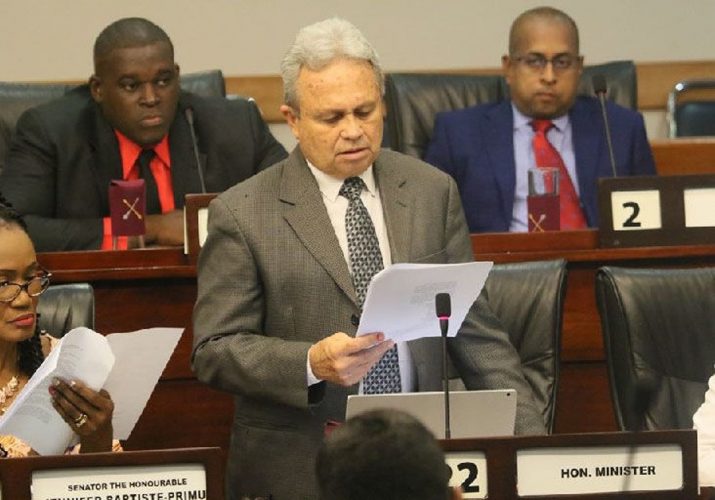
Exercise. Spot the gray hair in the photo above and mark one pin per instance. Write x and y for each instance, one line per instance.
(318, 45)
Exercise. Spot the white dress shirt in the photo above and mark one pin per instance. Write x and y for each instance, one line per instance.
(704, 423)
(561, 138)
(336, 206)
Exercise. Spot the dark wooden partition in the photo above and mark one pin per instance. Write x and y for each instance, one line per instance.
(157, 287)
(501, 457)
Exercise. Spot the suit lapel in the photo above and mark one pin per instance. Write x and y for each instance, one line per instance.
(499, 144)
(395, 199)
(304, 211)
(106, 163)
(588, 148)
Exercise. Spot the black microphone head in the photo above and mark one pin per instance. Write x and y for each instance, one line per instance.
(443, 305)
(599, 83)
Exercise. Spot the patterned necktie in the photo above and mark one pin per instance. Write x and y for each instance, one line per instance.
(366, 261)
(153, 206)
(546, 156)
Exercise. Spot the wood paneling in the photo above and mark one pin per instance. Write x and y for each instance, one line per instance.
(684, 156)
(655, 81)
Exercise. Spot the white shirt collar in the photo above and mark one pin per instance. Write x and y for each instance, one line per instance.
(521, 120)
(330, 186)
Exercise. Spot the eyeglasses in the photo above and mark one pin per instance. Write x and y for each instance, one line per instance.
(537, 62)
(34, 287)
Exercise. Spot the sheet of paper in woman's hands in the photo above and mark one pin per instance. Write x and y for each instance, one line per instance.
(81, 354)
(141, 358)
(400, 299)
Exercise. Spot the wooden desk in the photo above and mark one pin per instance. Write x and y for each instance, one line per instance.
(157, 287)
(687, 155)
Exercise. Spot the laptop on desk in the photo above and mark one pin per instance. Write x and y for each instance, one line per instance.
(473, 414)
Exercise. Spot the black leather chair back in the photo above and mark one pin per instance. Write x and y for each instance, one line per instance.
(413, 99)
(621, 82)
(205, 83)
(528, 298)
(64, 307)
(660, 346)
(15, 98)
(691, 109)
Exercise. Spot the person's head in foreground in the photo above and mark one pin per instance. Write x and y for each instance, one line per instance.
(23, 348)
(382, 455)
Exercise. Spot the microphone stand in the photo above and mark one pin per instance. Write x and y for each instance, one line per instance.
(444, 327)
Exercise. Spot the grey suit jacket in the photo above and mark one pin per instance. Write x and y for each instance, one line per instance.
(272, 281)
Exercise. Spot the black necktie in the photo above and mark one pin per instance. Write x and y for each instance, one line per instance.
(366, 261)
(153, 206)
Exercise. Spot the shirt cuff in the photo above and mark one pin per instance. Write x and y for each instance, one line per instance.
(312, 379)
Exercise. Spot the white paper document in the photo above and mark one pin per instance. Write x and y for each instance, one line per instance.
(400, 301)
(127, 365)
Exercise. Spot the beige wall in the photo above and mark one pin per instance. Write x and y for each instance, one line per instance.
(52, 39)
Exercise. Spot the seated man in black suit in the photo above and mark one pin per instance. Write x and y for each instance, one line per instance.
(383, 455)
(129, 122)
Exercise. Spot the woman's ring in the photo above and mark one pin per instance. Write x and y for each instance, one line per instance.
(80, 420)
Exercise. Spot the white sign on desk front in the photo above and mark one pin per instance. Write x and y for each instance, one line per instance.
(699, 205)
(636, 210)
(468, 471)
(155, 482)
(599, 469)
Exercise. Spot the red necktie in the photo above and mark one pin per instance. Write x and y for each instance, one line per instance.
(546, 156)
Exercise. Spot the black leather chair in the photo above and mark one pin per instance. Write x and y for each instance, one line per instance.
(413, 99)
(64, 307)
(16, 98)
(689, 115)
(528, 298)
(658, 334)
(205, 83)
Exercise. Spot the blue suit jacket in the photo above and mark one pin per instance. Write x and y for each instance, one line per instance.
(476, 146)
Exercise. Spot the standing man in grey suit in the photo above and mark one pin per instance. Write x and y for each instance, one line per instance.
(280, 293)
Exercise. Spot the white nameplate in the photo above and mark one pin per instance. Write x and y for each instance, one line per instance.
(158, 482)
(468, 471)
(636, 210)
(600, 469)
(699, 207)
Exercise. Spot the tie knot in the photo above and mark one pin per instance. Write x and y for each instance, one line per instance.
(541, 126)
(351, 188)
(145, 157)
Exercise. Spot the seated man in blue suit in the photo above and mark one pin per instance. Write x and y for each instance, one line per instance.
(488, 149)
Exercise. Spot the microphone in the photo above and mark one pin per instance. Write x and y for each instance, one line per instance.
(599, 87)
(189, 114)
(443, 309)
